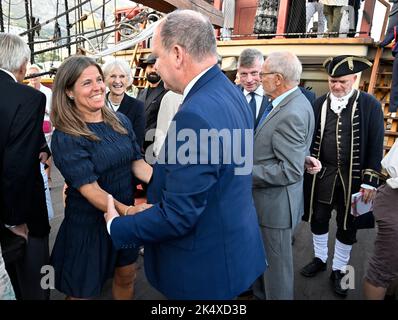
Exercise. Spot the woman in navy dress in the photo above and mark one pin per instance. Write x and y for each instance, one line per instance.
(96, 151)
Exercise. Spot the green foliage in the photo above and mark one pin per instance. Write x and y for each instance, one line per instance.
(47, 56)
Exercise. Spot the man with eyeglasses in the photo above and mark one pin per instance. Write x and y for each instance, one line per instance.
(249, 68)
(281, 148)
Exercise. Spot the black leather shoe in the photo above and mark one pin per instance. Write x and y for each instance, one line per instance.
(315, 266)
(335, 278)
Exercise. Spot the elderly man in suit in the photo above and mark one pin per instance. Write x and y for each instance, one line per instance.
(22, 200)
(281, 145)
(201, 236)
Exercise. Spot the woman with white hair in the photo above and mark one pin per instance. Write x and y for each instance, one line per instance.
(117, 78)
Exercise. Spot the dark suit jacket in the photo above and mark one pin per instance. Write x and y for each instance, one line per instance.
(134, 110)
(202, 239)
(22, 198)
(152, 104)
(311, 97)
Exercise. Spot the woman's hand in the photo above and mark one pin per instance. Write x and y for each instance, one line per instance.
(111, 210)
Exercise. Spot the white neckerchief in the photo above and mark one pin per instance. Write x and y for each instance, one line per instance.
(338, 104)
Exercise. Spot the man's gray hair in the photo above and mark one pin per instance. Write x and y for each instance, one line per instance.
(14, 52)
(120, 64)
(287, 64)
(191, 30)
(248, 58)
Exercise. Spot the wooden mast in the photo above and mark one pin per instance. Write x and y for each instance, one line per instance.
(28, 27)
(68, 26)
(1, 17)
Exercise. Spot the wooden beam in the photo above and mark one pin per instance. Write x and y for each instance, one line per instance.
(216, 17)
(218, 5)
(367, 18)
(283, 13)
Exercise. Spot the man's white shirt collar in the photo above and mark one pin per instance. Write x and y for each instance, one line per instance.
(259, 91)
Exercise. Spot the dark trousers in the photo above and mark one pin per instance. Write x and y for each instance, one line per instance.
(394, 87)
(25, 274)
(323, 213)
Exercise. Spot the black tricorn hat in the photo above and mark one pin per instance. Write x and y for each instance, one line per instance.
(151, 59)
(344, 65)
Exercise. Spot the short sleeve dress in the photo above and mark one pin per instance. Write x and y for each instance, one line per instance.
(83, 256)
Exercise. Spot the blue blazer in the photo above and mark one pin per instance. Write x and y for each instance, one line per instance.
(202, 239)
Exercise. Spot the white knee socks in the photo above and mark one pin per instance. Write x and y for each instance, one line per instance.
(341, 255)
(321, 246)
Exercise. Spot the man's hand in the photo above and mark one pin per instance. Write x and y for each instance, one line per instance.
(111, 210)
(138, 208)
(368, 194)
(312, 165)
(43, 156)
(20, 230)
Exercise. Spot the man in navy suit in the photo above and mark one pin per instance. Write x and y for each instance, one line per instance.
(201, 236)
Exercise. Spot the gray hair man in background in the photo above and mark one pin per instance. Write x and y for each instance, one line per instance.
(281, 145)
(22, 201)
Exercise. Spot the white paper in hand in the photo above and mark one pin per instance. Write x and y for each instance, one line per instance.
(358, 206)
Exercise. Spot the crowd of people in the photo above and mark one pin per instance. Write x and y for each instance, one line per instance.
(221, 211)
(334, 18)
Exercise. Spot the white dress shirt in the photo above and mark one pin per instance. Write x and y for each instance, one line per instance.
(259, 94)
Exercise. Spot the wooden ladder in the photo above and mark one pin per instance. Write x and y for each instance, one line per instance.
(380, 87)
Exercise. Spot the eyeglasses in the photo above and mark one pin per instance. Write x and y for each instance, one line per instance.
(244, 75)
(263, 74)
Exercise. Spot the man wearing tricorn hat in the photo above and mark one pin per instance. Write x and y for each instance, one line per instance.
(348, 140)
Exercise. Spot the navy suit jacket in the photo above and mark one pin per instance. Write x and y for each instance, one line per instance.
(202, 239)
(311, 97)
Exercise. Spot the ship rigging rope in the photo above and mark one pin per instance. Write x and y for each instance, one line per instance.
(114, 26)
(12, 18)
(9, 14)
(13, 4)
(51, 20)
(95, 27)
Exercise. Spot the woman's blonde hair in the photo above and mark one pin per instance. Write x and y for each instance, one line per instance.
(64, 114)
